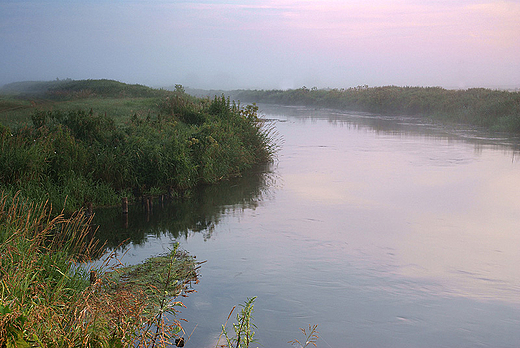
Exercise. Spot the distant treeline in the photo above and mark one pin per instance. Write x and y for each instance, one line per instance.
(77, 157)
(495, 109)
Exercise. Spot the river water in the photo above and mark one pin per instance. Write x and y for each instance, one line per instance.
(384, 231)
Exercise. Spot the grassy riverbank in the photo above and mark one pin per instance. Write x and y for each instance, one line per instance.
(494, 109)
(50, 298)
(74, 156)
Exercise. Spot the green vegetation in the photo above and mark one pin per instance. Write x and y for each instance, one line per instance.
(494, 109)
(76, 157)
(244, 334)
(49, 298)
(243, 329)
(19, 100)
(68, 144)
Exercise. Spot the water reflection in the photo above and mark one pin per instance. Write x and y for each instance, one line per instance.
(386, 234)
(398, 126)
(199, 211)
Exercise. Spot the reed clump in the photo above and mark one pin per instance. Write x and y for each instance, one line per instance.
(50, 298)
(494, 109)
(79, 157)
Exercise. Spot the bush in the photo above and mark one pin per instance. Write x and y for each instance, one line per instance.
(83, 157)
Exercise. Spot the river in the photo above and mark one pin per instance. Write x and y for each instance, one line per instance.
(385, 231)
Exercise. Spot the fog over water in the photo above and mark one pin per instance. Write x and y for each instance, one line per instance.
(264, 44)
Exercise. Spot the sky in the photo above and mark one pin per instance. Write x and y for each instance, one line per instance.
(262, 44)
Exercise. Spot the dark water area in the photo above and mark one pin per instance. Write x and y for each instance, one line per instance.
(386, 231)
(198, 210)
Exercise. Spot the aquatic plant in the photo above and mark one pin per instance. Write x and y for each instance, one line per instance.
(311, 337)
(243, 329)
(50, 298)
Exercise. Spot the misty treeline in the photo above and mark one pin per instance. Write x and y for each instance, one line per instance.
(495, 109)
(76, 157)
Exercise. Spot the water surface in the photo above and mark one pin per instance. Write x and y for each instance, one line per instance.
(385, 231)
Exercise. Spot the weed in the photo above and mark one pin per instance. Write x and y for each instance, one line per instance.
(311, 337)
(50, 299)
(243, 329)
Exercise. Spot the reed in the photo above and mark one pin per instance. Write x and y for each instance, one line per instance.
(494, 109)
(88, 158)
(50, 297)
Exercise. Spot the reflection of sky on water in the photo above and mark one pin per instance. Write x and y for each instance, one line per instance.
(438, 210)
(383, 236)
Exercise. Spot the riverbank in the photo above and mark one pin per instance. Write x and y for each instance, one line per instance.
(494, 109)
(78, 157)
(56, 159)
(52, 298)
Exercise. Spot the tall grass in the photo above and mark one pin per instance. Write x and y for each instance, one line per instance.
(78, 157)
(495, 109)
(48, 299)
(118, 100)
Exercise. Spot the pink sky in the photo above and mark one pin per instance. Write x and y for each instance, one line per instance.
(264, 44)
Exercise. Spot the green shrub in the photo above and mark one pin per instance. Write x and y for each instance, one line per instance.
(78, 157)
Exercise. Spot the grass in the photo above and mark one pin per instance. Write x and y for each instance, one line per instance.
(164, 142)
(18, 101)
(493, 109)
(49, 298)
(16, 113)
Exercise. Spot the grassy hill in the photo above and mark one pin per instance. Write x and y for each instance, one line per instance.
(19, 100)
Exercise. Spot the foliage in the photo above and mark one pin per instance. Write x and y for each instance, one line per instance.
(311, 337)
(11, 329)
(149, 276)
(49, 299)
(159, 281)
(494, 109)
(243, 329)
(76, 157)
(244, 334)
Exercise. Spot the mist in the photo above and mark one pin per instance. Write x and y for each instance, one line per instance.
(264, 44)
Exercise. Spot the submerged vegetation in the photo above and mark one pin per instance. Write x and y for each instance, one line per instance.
(494, 109)
(77, 157)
